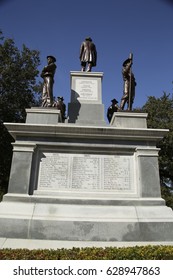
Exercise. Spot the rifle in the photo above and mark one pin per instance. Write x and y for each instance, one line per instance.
(130, 82)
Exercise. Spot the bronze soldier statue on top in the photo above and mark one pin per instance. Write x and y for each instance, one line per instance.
(129, 84)
(112, 109)
(47, 74)
(88, 54)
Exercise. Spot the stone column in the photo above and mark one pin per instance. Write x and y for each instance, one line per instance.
(149, 183)
(20, 175)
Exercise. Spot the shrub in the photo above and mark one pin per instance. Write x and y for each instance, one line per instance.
(149, 252)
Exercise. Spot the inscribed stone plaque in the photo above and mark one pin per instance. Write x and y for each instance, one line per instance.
(84, 172)
(87, 89)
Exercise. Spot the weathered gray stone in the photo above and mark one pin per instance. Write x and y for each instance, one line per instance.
(39, 115)
(129, 119)
(86, 222)
(31, 244)
(20, 175)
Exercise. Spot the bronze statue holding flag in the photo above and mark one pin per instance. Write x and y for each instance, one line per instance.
(129, 84)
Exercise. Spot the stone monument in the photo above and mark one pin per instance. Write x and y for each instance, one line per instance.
(84, 180)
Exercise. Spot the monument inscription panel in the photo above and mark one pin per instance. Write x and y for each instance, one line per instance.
(87, 89)
(86, 172)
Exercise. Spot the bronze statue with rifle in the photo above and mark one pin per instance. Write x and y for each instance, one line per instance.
(129, 84)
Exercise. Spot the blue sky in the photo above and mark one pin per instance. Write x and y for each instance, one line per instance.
(117, 27)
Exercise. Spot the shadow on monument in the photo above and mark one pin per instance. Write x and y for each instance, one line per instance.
(146, 231)
(73, 107)
(37, 159)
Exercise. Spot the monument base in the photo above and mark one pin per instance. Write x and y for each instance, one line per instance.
(80, 222)
(86, 183)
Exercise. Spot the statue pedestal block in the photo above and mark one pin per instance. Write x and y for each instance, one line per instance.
(86, 99)
(43, 115)
(129, 119)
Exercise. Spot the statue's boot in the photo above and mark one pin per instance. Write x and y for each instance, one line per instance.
(89, 67)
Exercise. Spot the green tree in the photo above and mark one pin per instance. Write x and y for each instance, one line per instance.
(19, 89)
(160, 115)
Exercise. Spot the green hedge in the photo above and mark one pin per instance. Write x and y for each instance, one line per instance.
(109, 253)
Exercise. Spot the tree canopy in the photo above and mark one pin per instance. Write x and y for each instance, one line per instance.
(160, 115)
(19, 89)
(18, 84)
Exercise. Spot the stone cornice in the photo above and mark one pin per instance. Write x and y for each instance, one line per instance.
(86, 132)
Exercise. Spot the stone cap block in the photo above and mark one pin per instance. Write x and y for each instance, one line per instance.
(129, 119)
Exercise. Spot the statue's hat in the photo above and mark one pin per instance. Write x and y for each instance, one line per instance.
(61, 98)
(114, 100)
(54, 59)
(88, 39)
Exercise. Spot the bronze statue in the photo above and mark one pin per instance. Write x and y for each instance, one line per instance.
(88, 54)
(129, 84)
(47, 74)
(112, 109)
(60, 105)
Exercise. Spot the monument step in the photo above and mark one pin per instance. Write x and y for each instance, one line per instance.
(73, 198)
(85, 222)
(31, 244)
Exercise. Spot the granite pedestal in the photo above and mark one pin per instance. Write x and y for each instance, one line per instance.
(43, 116)
(86, 106)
